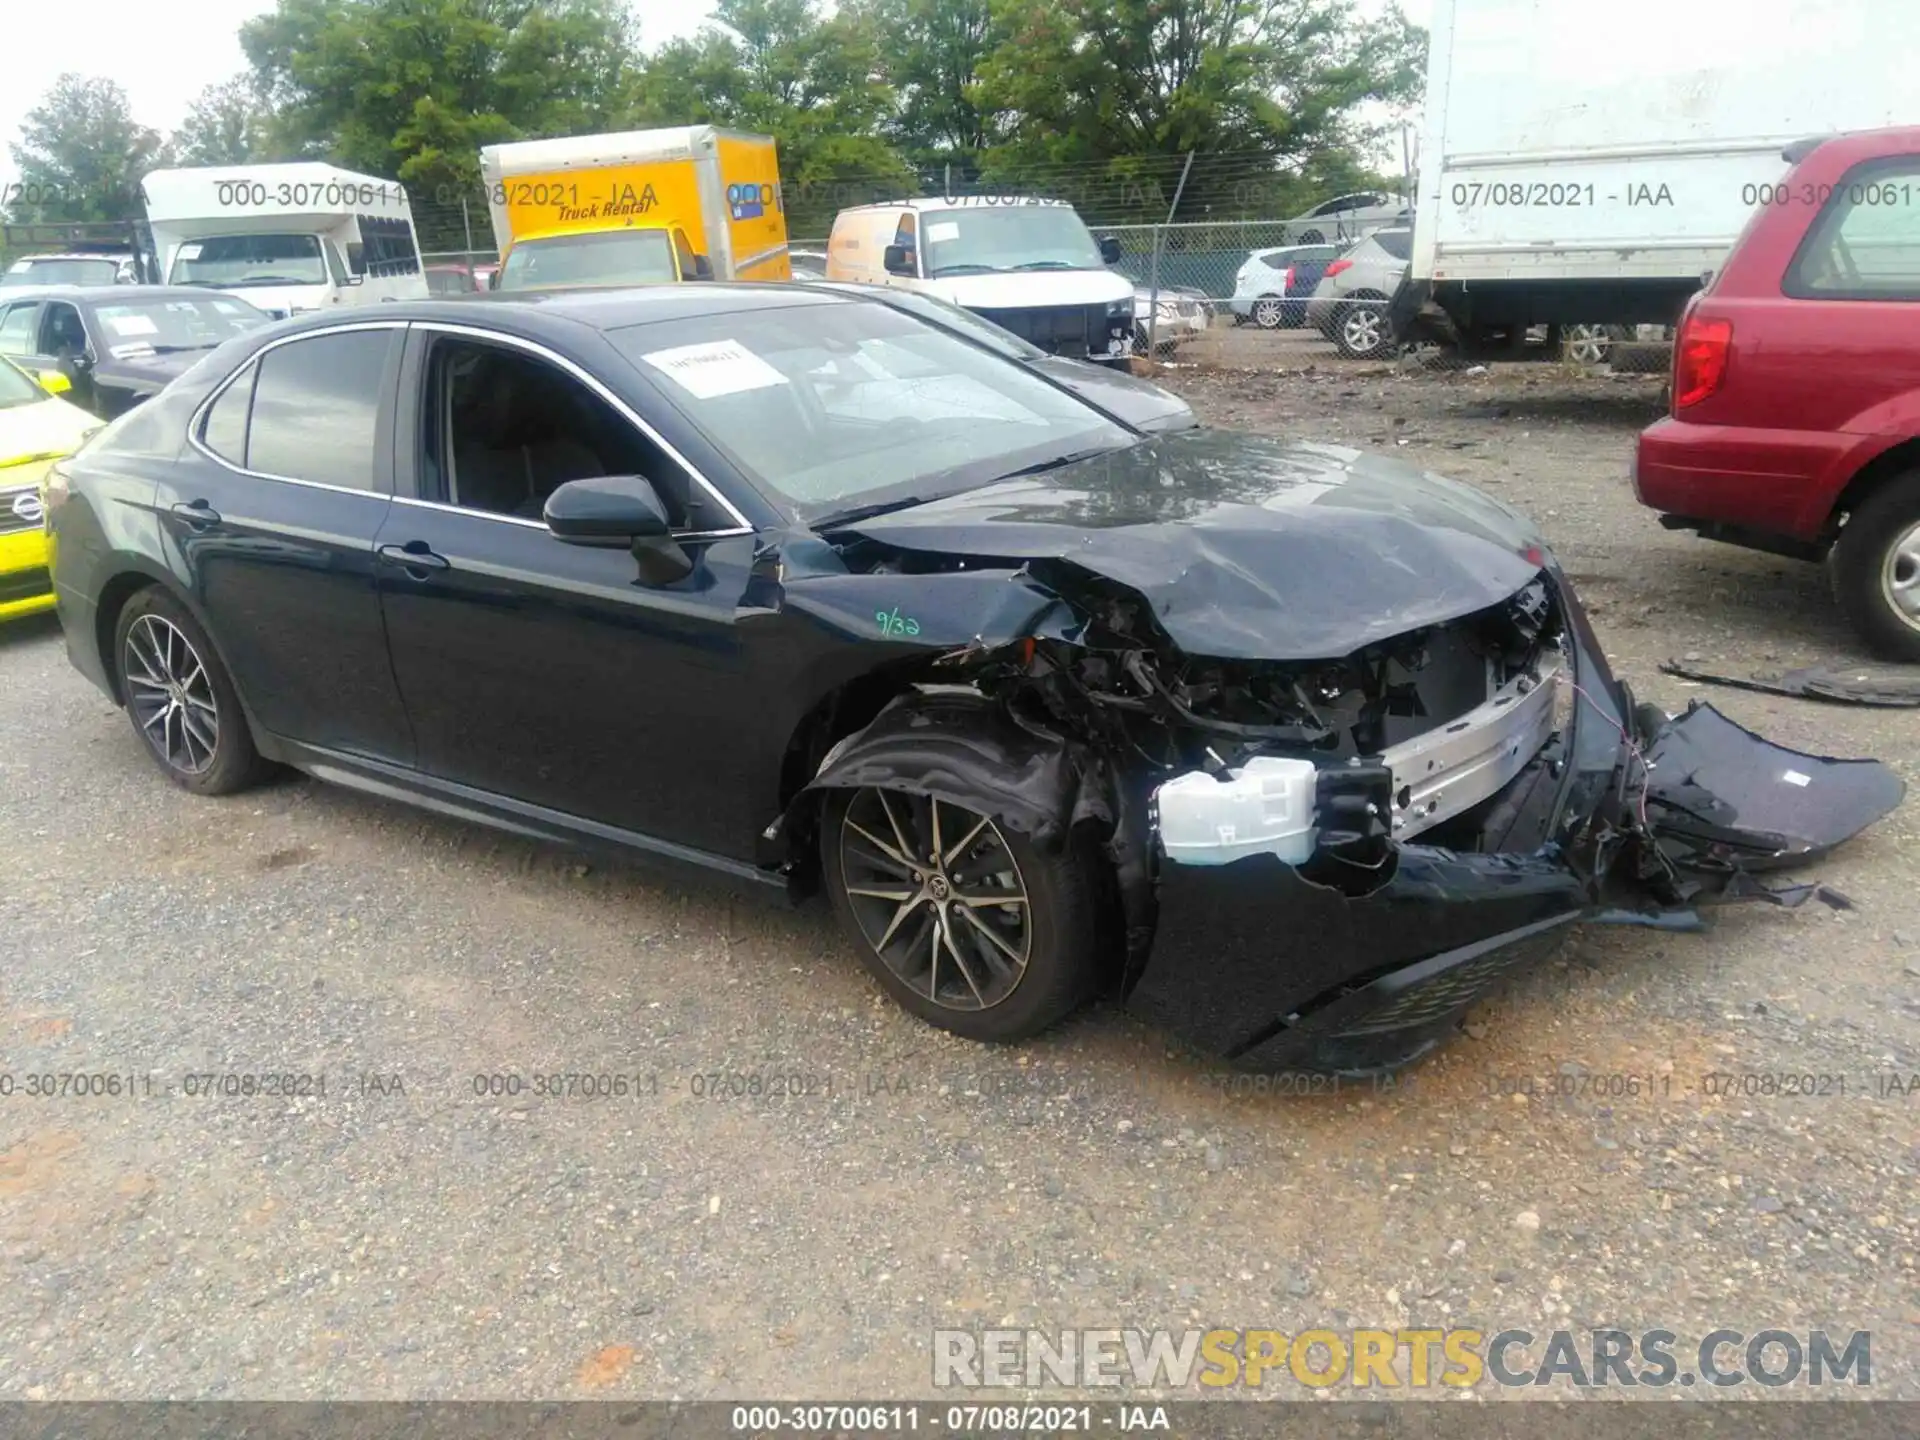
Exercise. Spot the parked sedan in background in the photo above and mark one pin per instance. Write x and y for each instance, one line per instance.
(1349, 305)
(1296, 748)
(452, 280)
(1182, 315)
(1347, 218)
(36, 428)
(118, 345)
(1272, 287)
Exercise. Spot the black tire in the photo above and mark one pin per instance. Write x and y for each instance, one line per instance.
(1357, 340)
(180, 699)
(1268, 312)
(1060, 940)
(1867, 563)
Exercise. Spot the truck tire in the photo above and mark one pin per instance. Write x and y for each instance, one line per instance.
(1875, 569)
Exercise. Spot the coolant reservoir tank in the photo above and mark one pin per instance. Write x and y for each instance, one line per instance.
(1264, 807)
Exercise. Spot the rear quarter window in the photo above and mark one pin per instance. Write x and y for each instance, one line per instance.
(1865, 243)
(1397, 243)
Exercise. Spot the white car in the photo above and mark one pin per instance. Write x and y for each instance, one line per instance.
(1272, 286)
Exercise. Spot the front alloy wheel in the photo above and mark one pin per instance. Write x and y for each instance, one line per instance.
(966, 924)
(180, 699)
(1268, 312)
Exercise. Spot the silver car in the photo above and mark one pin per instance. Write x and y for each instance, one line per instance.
(1347, 218)
(1349, 305)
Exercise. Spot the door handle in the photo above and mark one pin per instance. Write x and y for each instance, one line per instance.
(414, 555)
(197, 513)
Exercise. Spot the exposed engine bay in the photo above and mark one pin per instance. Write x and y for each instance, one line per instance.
(1343, 737)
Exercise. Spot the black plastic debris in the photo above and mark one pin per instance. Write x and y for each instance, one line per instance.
(1893, 687)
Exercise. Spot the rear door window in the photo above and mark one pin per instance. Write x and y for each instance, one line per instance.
(316, 406)
(1866, 243)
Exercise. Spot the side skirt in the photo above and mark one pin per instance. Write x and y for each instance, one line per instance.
(499, 812)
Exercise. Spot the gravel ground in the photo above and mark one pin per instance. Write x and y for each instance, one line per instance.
(404, 1237)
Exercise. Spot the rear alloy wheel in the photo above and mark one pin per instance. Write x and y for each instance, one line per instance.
(1268, 312)
(182, 704)
(965, 924)
(1360, 330)
(1875, 566)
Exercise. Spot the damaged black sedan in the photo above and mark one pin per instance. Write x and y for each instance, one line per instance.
(1296, 749)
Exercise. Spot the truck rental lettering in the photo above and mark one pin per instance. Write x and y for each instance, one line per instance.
(573, 204)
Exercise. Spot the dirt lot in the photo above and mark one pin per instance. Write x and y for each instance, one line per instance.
(406, 1236)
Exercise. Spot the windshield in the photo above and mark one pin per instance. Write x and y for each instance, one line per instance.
(448, 282)
(1013, 236)
(231, 262)
(61, 272)
(16, 388)
(840, 406)
(609, 257)
(140, 327)
(958, 317)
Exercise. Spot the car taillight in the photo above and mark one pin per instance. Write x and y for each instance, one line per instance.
(1335, 267)
(1286, 278)
(1700, 359)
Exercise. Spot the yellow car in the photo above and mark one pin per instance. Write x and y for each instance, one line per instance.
(36, 429)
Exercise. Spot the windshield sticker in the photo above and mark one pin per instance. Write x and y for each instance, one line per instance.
(130, 324)
(130, 351)
(894, 623)
(187, 252)
(719, 367)
(943, 230)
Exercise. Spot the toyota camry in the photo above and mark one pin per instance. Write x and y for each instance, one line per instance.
(1295, 749)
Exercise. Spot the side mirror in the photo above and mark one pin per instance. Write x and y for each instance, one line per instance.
(1110, 249)
(81, 363)
(615, 512)
(356, 258)
(53, 382)
(899, 260)
(702, 268)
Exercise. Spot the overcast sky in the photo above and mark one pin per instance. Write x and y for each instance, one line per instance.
(163, 63)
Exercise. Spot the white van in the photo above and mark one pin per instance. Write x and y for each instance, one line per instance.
(287, 239)
(1029, 265)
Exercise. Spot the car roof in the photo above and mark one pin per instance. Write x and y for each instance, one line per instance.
(108, 294)
(961, 202)
(533, 312)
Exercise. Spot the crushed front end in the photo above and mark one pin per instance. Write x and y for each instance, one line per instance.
(1320, 864)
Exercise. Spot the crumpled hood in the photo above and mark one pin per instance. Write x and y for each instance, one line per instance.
(1247, 547)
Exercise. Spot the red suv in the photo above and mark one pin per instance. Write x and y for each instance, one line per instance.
(1795, 421)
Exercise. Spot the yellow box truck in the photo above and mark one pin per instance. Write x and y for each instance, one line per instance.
(689, 203)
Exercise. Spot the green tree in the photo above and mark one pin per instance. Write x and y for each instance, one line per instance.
(414, 88)
(1082, 82)
(777, 67)
(227, 125)
(81, 154)
(933, 51)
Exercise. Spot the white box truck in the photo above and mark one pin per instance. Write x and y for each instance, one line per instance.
(690, 202)
(1591, 163)
(286, 238)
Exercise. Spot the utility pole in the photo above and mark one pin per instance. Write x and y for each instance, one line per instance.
(1153, 270)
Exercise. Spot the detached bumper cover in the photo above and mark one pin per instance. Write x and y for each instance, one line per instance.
(1624, 817)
